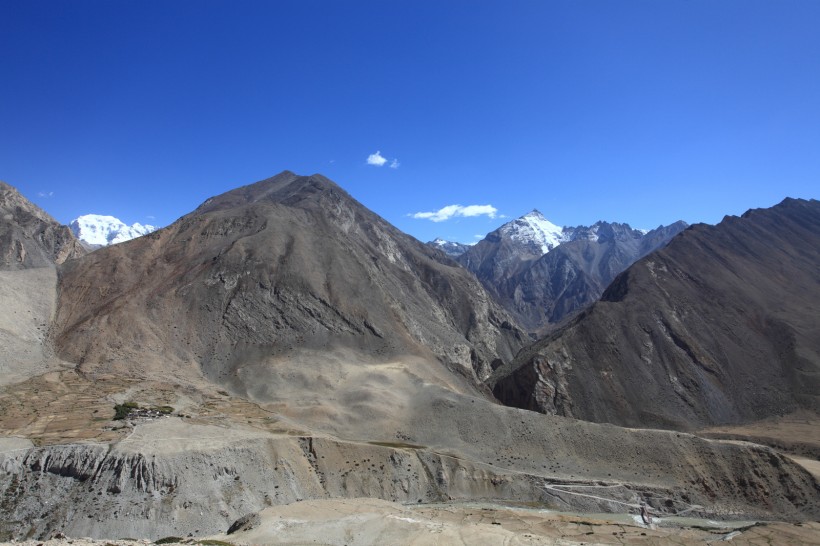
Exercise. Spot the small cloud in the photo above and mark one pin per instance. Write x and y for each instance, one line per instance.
(376, 159)
(395, 164)
(46, 194)
(452, 211)
(151, 217)
(478, 236)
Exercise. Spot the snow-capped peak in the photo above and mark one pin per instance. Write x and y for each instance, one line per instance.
(101, 230)
(449, 247)
(534, 229)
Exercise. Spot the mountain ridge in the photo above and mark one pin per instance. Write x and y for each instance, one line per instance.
(723, 314)
(543, 274)
(30, 237)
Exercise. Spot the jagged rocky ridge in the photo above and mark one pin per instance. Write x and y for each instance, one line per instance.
(29, 237)
(721, 326)
(542, 273)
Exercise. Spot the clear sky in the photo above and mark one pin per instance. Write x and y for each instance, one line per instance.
(643, 112)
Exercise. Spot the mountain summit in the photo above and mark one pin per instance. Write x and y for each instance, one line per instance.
(542, 273)
(291, 263)
(99, 230)
(534, 233)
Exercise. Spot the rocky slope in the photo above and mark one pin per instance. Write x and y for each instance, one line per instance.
(291, 345)
(31, 244)
(290, 263)
(173, 477)
(542, 273)
(721, 326)
(29, 237)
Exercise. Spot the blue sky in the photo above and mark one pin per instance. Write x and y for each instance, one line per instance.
(638, 111)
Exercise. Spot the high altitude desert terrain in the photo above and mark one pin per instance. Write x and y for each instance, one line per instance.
(292, 368)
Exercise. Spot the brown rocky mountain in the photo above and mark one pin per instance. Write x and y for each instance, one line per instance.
(721, 326)
(541, 284)
(289, 263)
(29, 237)
(283, 346)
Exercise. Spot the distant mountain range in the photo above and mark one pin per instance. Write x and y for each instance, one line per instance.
(448, 247)
(720, 326)
(543, 273)
(98, 230)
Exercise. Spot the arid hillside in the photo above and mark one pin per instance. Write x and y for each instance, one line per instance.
(287, 264)
(719, 327)
(282, 344)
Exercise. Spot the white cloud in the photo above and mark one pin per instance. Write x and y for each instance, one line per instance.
(452, 211)
(46, 194)
(376, 159)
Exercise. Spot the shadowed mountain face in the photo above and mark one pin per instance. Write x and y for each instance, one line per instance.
(287, 264)
(29, 237)
(721, 326)
(541, 289)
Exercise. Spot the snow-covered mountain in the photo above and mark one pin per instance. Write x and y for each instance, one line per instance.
(542, 272)
(100, 230)
(540, 235)
(536, 232)
(450, 248)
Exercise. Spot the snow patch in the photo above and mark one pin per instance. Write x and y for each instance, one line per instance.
(533, 228)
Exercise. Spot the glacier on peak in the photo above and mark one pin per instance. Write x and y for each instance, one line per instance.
(102, 230)
(534, 229)
(534, 232)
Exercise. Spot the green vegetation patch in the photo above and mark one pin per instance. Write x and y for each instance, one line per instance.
(170, 540)
(121, 411)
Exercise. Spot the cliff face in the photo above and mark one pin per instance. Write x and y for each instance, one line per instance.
(208, 477)
(29, 237)
(721, 326)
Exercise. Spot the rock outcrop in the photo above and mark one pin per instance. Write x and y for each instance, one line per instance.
(173, 478)
(29, 237)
